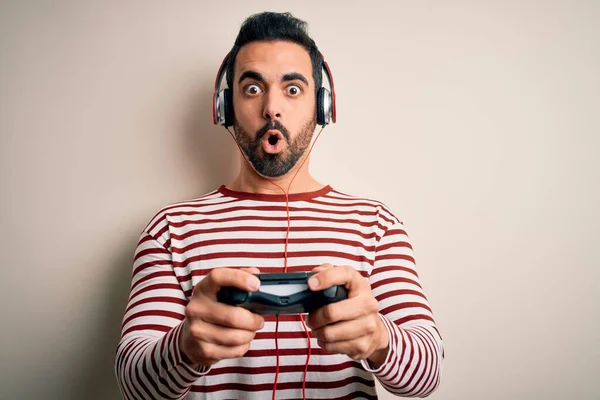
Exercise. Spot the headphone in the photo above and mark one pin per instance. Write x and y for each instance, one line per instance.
(223, 99)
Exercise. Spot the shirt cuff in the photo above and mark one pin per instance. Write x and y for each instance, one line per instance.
(391, 339)
(193, 370)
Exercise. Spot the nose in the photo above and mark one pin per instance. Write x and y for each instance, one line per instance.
(272, 107)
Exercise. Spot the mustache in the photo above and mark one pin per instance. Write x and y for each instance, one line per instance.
(276, 125)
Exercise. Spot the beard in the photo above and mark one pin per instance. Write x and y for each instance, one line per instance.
(274, 165)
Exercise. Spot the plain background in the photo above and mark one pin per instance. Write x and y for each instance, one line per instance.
(476, 122)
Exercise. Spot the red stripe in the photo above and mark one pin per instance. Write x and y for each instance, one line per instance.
(135, 354)
(396, 357)
(390, 281)
(280, 335)
(258, 387)
(419, 360)
(153, 313)
(199, 203)
(394, 244)
(296, 254)
(121, 358)
(284, 368)
(353, 203)
(393, 268)
(390, 221)
(147, 327)
(382, 257)
(393, 293)
(145, 237)
(430, 377)
(150, 264)
(427, 366)
(157, 299)
(238, 241)
(401, 373)
(147, 252)
(162, 231)
(403, 320)
(285, 352)
(404, 305)
(356, 394)
(186, 279)
(411, 380)
(383, 209)
(155, 287)
(255, 218)
(349, 197)
(263, 269)
(151, 276)
(169, 381)
(210, 231)
(395, 231)
(255, 209)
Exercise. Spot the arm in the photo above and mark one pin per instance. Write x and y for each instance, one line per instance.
(149, 363)
(414, 361)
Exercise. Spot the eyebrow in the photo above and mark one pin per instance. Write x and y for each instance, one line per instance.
(287, 77)
(293, 77)
(251, 75)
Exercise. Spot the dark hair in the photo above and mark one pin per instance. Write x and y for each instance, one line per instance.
(268, 26)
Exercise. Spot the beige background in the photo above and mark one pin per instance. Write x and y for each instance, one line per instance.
(476, 122)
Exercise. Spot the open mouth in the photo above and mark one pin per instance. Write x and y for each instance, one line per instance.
(273, 139)
(273, 142)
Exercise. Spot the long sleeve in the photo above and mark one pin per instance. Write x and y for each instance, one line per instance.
(414, 363)
(149, 364)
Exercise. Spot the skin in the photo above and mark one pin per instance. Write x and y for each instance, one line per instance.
(275, 100)
(212, 331)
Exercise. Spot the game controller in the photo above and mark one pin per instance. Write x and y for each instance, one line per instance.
(286, 293)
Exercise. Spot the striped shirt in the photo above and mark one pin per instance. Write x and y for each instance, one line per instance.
(226, 228)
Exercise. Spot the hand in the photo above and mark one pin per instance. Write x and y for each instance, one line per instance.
(213, 331)
(351, 326)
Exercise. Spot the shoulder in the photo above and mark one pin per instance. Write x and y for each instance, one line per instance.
(161, 219)
(385, 215)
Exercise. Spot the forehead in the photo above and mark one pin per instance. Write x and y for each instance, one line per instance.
(273, 59)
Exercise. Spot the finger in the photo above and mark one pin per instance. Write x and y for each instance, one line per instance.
(343, 275)
(251, 270)
(357, 349)
(221, 314)
(205, 332)
(218, 352)
(345, 310)
(346, 330)
(322, 267)
(219, 277)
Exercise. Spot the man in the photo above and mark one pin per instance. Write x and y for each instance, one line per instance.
(179, 342)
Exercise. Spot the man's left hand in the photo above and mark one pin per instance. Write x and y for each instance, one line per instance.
(352, 326)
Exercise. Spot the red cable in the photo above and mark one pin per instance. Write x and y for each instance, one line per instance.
(307, 357)
(285, 267)
(277, 353)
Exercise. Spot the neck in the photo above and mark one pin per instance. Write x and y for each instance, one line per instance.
(250, 181)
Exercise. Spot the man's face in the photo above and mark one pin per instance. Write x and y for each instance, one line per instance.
(274, 103)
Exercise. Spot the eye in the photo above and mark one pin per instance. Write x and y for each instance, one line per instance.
(293, 90)
(252, 89)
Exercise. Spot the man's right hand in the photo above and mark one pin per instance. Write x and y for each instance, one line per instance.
(214, 331)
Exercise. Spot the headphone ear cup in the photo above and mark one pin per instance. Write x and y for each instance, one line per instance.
(228, 107)
(321, 106)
